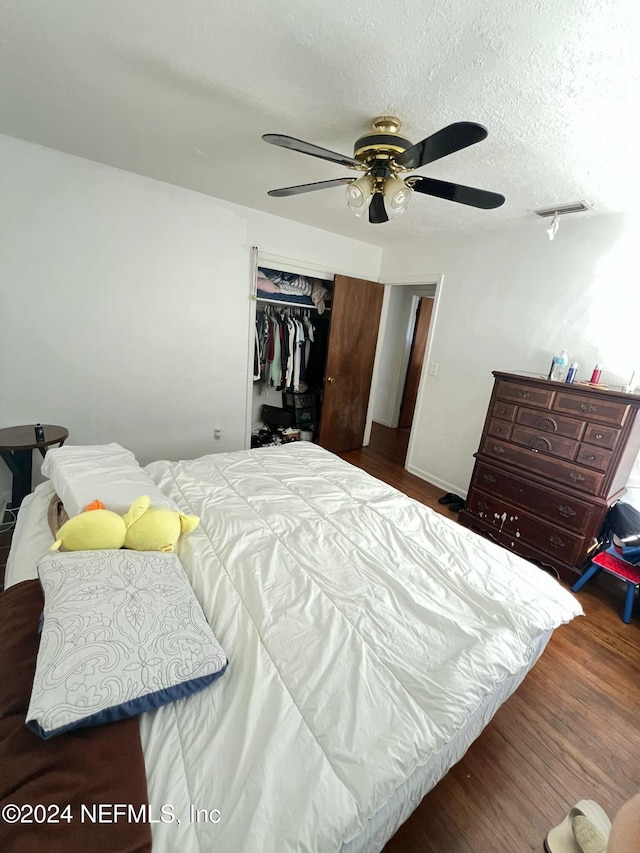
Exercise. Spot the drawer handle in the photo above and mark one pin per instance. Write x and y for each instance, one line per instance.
(488, 478)
(524, 394)
(598, 435)
(483, 505)
(502, 410)
(497, 449)
(588, 407)
(591, 457)
(540, 443)
(557, 542)
(577, 478)
(566, 511)
(546, 423)
(498, 429)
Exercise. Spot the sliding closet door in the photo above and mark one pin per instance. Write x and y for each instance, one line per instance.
(355, 318)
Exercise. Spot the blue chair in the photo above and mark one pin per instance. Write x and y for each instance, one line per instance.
(610, 562)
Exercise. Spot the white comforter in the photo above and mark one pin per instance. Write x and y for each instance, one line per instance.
(362, 630)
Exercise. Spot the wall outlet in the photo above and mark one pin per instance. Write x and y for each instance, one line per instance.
(433, 368)
(217, 433)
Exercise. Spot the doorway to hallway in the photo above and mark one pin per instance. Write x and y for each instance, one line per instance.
(408, 328)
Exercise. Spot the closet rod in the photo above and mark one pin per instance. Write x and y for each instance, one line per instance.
(289, 304)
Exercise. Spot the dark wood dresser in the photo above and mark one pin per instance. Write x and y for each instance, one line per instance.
(553, 457)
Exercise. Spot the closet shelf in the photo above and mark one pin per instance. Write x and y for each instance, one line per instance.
(286, 304)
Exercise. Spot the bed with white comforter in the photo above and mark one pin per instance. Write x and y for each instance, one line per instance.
(369, 641)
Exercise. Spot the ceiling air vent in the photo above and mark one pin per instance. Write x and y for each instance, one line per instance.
(574, 207)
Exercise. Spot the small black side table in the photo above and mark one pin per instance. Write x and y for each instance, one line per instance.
(16, 448)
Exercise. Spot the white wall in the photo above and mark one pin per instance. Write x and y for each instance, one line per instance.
(125, 303)
(510, 300)
(125, 308)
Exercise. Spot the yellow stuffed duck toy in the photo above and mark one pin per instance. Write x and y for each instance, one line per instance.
(158, 528)
(142, 528)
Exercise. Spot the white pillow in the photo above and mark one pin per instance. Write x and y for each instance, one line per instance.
(123, 633)
(107, 472)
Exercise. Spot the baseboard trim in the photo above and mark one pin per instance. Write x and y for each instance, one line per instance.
(436, 481)
(385, 423)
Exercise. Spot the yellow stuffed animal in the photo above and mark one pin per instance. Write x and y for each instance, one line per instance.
(98, 529)
(158, 529)
(140, 529)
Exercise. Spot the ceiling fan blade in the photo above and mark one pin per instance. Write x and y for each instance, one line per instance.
(310, 149)
(377, 210)
(456, 136)
(309, 188)
(457, 192)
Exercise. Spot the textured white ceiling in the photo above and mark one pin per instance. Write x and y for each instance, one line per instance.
(181, 90)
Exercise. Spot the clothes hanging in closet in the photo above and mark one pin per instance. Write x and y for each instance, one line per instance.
(317, 359)
(283, 347)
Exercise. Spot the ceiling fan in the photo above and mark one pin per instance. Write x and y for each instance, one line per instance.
(383, 156)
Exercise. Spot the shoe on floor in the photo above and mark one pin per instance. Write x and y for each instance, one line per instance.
(561, 838)
(456, 506)
(448, 498)
(588, 838)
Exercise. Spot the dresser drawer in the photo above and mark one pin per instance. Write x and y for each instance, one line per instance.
(567, 573)
(545, 421)
(591, 407)
(569, 512)
(529, 394)
(594, 457)
(557, 445)
(512, 522)
(499, 428)
(572, 476)
(601, 436)
(504, 411)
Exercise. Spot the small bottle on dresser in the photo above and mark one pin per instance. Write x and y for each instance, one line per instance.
(571, 373)
(39, 431)
(558, 366)
(630, 387)
(597, 373)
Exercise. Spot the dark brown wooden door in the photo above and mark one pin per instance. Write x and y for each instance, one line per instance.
(416, 358)
(355, 318)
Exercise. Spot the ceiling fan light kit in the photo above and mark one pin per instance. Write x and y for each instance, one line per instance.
(384, 155)
(397, 195)
(359, 194)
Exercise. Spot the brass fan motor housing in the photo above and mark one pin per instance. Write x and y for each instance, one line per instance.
(383, 143)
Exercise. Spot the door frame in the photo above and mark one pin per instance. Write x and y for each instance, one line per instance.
(415, 282)
(406, 355)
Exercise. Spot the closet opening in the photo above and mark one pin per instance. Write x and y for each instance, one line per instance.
(291, 343)
(312, 357)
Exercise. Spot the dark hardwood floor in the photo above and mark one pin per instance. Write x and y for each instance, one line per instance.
(571, 731)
